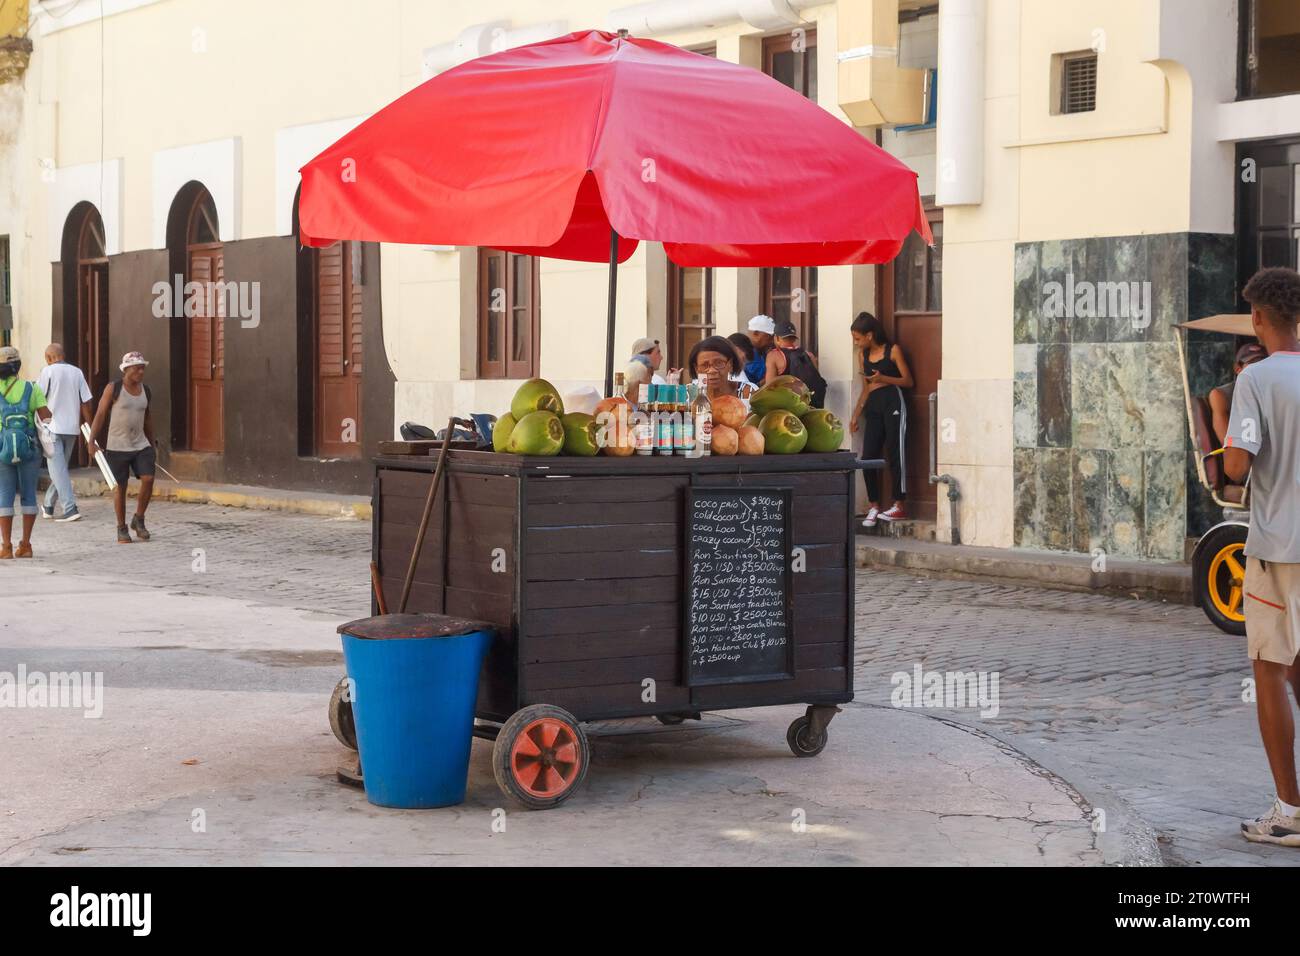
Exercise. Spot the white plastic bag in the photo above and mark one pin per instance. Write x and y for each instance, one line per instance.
(49, 441)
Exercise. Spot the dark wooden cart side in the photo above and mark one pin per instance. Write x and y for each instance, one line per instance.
(579, 564)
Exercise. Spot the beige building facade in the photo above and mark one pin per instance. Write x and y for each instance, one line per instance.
(1099, 140)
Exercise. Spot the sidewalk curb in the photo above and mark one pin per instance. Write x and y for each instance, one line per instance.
(1161, 581)
(243, 496)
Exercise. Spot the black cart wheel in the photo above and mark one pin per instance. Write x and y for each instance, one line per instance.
(670, 720)
(1218, 577)
(541, 756)
(800, 739)
(341, 715)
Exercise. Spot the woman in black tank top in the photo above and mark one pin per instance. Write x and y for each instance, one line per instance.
(882, 414)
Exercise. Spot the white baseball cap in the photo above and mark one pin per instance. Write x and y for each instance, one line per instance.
(762, 323)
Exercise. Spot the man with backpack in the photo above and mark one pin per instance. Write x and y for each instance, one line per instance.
(21, 403)
(789, 358)
(124, 409)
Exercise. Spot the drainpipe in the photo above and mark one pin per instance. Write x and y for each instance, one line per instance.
(480, 39)
(672, 16)
(959, 135)
(954, 489)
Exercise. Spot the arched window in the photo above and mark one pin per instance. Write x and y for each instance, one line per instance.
(85, 295)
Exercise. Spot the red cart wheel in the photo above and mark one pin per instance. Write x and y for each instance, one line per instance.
(541, 756)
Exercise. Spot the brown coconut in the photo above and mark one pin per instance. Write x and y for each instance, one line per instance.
(608, 404)
(725, 440)
(728, 410)
(616, 435)
(750, 440)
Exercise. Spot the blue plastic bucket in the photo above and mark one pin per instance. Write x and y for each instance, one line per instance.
(414, 686)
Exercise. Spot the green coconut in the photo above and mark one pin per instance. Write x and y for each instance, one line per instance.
(536, 395)
(580, 434)
(537, 433)
(783, 393)
(783, 433)
(825, 431)
(501, 431)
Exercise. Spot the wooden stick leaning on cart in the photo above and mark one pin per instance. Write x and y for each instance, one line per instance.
(378, 586)
(428, 510)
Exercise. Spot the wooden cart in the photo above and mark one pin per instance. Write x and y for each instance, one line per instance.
(591, 570)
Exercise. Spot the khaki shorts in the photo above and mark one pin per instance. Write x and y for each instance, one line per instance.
(1272, 609)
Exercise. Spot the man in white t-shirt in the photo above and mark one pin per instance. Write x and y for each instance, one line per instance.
(68, 397)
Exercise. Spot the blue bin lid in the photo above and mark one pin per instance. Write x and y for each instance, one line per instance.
(390, 627)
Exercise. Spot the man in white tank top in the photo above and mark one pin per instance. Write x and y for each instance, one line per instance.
(124, 408)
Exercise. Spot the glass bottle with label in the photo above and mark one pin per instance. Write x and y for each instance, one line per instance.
(702, 416)
(684, 427)
(664, 420)
(644, 434)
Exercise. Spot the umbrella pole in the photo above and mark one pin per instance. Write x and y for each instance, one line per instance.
(613, 297)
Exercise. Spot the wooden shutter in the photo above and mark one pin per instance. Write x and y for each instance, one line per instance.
(219, 317)
(521, 317)
(356, 291)
(491, 325)
(329, 299)
(201, 358)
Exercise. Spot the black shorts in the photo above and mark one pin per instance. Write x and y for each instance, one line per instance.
(123, 463)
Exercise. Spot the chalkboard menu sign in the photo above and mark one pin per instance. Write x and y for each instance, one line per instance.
(737, 586)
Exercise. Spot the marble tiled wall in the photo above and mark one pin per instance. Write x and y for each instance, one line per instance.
(1101, 455)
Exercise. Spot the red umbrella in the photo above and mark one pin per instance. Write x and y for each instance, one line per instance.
(581, 146)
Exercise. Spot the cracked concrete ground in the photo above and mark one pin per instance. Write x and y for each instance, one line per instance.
(214, 712)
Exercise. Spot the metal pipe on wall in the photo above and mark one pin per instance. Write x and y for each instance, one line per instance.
(954, 489)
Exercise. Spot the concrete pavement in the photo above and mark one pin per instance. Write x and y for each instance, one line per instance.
(213, 746)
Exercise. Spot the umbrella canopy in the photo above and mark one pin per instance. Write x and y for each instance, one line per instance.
(547, 148)
(1225, 324)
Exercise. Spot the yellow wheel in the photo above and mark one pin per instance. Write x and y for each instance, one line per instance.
(1230, 559)
(1219, 571)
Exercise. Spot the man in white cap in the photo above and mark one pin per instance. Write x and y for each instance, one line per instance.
(124, 408)
(761, 330)
(642, 368)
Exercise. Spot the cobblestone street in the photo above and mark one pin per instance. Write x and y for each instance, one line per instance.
(1140, 699)
(1136, 704)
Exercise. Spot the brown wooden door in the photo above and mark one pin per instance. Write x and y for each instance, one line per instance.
(338, 350)
(207, 350)
(911, 306)
(90, 351)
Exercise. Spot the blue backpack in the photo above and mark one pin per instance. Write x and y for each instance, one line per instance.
(17, 436)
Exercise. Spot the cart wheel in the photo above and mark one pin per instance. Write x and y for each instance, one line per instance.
(801, 745)
(341, 716)
(1218, 577)
(670, 720)
(540, 756)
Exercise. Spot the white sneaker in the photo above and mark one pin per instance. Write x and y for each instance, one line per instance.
(1274, 827)
(870, 520)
